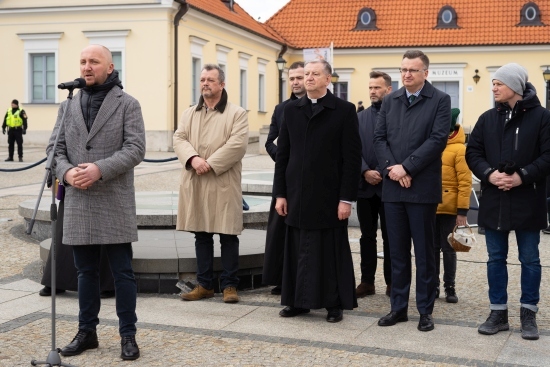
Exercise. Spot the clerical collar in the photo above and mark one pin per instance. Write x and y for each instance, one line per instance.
(315, 100)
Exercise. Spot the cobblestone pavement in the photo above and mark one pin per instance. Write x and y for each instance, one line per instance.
(250, 333)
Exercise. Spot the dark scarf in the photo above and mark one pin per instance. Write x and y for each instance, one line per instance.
(93, 96)
(376, 106)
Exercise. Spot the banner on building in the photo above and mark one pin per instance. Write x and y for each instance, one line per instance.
(318, 53)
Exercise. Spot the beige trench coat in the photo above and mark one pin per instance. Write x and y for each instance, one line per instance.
(212, 202)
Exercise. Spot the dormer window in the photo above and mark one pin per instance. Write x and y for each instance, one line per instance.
(447, 18)
(530, 15)
(366, 19)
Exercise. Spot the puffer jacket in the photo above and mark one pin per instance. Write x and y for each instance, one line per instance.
(456, 177)
(521, 138)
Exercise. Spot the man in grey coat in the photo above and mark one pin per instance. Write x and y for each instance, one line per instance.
(410, 135)
(101, 141)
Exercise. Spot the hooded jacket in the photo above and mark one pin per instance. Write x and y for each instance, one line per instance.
(456, 176)
(519, 137)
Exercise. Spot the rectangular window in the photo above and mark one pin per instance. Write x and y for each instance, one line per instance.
(261, 93)
(394, 85)
(195, 83)
(244, 90)
(117, 61)
(43, 78)
(451, 88)
(341, 90)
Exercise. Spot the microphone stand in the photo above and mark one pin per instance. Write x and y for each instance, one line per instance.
(53, 358)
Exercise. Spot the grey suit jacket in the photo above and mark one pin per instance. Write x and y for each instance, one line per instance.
(105, 213)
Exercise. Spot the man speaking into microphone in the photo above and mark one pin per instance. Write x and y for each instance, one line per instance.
(101, 140)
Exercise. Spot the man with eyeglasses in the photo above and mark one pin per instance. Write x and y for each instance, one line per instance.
(409, 138)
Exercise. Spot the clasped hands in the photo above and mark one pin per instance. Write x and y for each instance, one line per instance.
(344, 209)
(505, 181)
(83, 176)
(372, 176)
(398, 173)
(200, 165)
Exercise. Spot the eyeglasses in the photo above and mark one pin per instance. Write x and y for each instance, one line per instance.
(412, 71)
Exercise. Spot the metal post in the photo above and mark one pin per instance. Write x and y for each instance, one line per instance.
(280, 86)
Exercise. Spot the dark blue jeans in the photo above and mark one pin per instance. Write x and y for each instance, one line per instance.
(204, 249)
(497, 272)
(86, 260)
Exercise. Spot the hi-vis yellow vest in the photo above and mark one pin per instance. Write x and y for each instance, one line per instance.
(13, 119)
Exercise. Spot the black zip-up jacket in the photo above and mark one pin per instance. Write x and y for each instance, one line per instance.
(519, 138)
(276, 121)
(367, 122)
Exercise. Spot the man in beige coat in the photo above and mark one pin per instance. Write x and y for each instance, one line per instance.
(210, 142)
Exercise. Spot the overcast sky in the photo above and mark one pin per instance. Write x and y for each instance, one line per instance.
(261, 8)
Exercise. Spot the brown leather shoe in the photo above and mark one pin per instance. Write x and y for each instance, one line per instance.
(199, 292)
(365, 289)
(230, 295)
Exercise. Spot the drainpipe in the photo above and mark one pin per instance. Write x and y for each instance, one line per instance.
(181, 12)
(283, 51)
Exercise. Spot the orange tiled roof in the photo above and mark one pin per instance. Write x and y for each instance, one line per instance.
(238, 17)
(405, 23)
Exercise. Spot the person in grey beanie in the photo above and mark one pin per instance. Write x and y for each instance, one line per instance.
(509, 151)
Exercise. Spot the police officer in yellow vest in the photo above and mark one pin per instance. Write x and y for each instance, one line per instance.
(16, 122)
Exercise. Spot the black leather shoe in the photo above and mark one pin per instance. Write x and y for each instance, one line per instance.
(393, 318)
(129, 348)
(47, 291)
(335, 315)
(83, 340)
(276, 291)
(9, 159)
(290, 311)
(426, 323)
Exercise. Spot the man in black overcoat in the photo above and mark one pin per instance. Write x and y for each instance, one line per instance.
(409, 138)
(276, 227)
(318, 163)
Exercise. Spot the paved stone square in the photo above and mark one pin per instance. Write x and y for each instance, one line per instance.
(172, 332)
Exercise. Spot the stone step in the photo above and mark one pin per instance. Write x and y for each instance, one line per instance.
(163, 257)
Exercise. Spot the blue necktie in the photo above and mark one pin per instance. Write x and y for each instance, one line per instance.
(412, 97)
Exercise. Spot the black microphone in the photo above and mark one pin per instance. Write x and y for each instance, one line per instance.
(77, 83)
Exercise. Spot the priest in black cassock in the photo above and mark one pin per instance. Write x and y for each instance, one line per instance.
(318, 164)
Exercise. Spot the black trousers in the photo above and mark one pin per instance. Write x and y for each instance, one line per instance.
(414, 221)
(204, 250)
(444, 224)
(274, 247)
(15, 135)
(368, 212)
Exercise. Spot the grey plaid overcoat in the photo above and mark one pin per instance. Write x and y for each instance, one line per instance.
(105, 213)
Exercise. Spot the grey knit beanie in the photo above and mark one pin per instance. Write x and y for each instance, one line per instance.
(514, 76)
